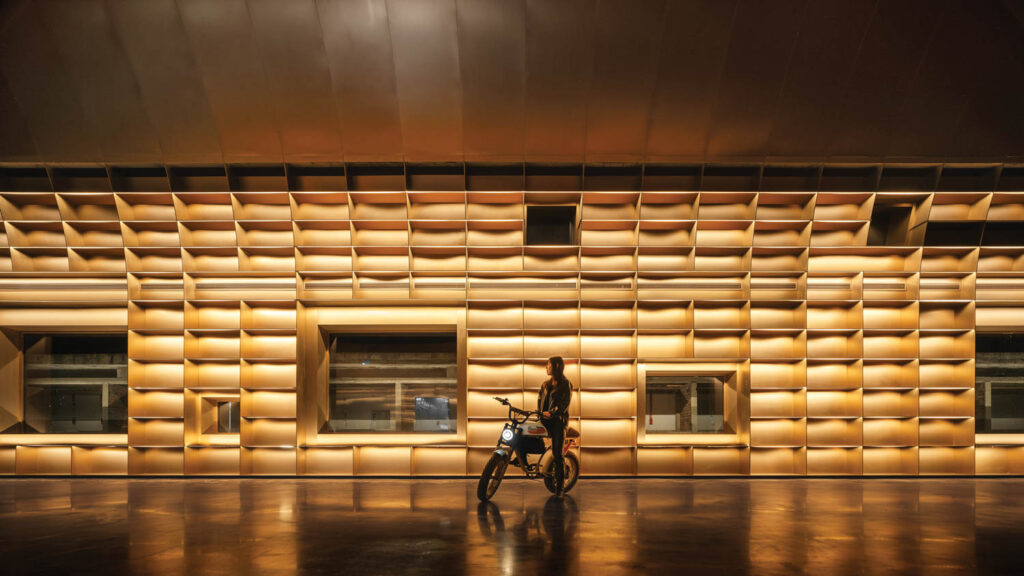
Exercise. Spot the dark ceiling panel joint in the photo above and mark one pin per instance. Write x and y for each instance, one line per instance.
(392, 176)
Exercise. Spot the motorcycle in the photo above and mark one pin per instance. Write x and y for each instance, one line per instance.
(523, 435)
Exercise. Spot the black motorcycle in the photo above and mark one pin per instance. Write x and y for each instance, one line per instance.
(523, 435)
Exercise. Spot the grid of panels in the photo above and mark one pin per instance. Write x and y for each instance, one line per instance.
(860, 357)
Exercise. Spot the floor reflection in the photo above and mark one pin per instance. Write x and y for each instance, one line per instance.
(535, 540)
(372, 526)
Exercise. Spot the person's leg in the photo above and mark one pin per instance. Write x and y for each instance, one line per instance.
(557, 433)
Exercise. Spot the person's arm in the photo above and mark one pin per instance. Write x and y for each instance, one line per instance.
(560, 397)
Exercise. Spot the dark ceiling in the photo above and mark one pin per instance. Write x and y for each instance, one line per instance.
(599, 81)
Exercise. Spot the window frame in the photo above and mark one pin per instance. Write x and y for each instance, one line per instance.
(12, 382)
(398, 381)
(736, 404)
(24, 378)
(993, 438)
(315, 395)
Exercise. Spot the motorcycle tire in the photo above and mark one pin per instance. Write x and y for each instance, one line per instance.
(572, 474)
(491, 477)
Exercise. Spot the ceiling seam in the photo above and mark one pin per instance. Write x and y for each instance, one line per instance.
(914, 78)
(524, 80)
(657, 80)
(718, 83)
(266, 82)
(590, 77)
(330, 76)
(394, 79)
(853, 63)
(462, 95)
(202, 79)
(135, 79)
(785, 82)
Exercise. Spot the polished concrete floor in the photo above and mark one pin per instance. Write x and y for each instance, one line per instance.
(645, 526)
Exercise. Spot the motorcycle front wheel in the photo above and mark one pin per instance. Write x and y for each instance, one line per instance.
(491, 477)
(572, 474)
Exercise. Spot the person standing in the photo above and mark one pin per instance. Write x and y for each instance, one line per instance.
(553, 404)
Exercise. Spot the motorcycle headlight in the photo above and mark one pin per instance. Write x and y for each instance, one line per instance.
(506, 434)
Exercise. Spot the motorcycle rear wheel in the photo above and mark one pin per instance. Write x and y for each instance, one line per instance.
(491, 477)
(572, 474)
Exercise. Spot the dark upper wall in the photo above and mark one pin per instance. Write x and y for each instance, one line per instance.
(239, 81)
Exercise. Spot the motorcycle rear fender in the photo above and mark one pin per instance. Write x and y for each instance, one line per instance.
(546, 461)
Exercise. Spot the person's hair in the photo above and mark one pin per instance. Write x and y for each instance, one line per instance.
(557, 368)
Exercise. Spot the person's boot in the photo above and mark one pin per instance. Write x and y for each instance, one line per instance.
(560, 481)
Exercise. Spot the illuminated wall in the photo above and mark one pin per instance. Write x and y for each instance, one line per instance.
(844, 358)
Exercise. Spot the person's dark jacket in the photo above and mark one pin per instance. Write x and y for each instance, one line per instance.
(555, 399)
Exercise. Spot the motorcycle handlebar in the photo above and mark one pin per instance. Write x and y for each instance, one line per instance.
(513, 409)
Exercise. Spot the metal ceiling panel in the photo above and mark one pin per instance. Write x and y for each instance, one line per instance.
(693, 51)
(425, 43)
(761, 48)
(39, 83)
(16, 142)
(993, 124)
(626, 50)
(926, 122)
(168, 78)
(220, 33)
(827, 48)
(541, 81)
(893, 48)
(559, 62)
(289, 37)
(357, 41)
(492, 59)
(98, 68)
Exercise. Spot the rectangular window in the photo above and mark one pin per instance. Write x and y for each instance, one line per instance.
(685, 404)
(999, 383)
(550, 225)
(76, 384)
(393, 383)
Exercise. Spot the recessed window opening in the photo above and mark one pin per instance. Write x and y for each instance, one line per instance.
(75, 383)
(550, 225)
(890, 224)
(403, 383)
(999, 384)
(690, 404)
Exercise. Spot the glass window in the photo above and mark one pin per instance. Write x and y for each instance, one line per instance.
(999, 383)
(76, 383)
(393, 383)
(685, 404)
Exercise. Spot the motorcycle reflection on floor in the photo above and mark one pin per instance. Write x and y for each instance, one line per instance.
(522, 436)
(541, 541)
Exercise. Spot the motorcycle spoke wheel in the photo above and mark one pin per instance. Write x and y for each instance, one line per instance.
(491, 477)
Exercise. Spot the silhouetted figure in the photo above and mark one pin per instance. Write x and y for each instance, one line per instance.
(553, 404)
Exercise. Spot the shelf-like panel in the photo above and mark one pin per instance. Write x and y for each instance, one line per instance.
(851, 358)
(778, 461)
(834, 461)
